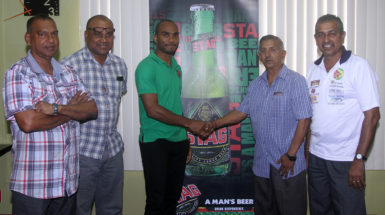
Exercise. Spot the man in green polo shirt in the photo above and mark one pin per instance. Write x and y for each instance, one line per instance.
(163, 140)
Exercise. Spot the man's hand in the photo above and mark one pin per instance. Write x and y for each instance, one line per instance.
(356, 174)
(206, 130)
(44, 108)
(286, 166)
(200, 128)
(78, 98)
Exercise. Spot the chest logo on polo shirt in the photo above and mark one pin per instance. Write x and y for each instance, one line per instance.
(336, 92)
(314, 91)
(338, 74)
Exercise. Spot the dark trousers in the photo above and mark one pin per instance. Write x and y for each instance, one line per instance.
(277, 196)
(25, 205)
(329, 190)
(164, 163)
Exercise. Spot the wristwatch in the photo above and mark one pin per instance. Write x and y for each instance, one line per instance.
(361, 157)
(55, 109)
(291, 158)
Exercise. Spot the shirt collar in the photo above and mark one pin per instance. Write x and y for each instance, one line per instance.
(88, 56)
(174, 64)
(282, 73)
(345, 56)
(35, 67)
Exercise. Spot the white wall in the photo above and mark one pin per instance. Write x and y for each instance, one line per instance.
(292, 20)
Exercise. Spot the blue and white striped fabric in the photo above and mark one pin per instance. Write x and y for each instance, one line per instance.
(107, 84)
(274, 112)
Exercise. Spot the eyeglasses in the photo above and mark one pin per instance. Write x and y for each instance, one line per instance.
(98, 32)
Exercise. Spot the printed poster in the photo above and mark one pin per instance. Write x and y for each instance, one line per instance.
(218, 54)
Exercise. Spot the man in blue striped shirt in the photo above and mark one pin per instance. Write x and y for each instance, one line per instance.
(279, 106)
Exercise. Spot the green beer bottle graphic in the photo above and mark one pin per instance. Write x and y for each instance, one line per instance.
(205, 97)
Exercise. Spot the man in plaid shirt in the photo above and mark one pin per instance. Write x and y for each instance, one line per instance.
(101, 145)
(44, 102)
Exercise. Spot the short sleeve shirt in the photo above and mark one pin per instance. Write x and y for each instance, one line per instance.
(107, 85)
(154, 76)
(339, 98)
(45, 164)
(274, 112)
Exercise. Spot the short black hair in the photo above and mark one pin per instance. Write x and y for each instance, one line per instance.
(328, 18)
(37, 17)
(163, 21)
(272, 37)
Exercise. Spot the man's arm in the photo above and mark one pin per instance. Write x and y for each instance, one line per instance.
(156, 111)
(307, 144)
(231, 118)
(31, 121)
(79, 108)
(42, 118)
(299, 135)
(369, 125)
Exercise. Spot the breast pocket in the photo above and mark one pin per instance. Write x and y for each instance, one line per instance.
(277, 106)
(65, 91)
(41, 91)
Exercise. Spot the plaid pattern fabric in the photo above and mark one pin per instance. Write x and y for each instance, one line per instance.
(107, 84)
(45, 163)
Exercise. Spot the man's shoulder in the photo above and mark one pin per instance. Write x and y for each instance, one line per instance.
(116, 58)
(356, 60)
(74, 59)
(295, 76)
(147, 62)
(21, 66)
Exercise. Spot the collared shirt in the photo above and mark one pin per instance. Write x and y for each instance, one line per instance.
(153, 75)
(274, 112)
(45, 163)
(339, 98)
(107, 85)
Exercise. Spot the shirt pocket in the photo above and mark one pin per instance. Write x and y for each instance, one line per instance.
(277, 105)
(65, 91)
(41, 91)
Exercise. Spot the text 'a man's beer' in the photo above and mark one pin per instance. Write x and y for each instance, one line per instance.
(205, 97)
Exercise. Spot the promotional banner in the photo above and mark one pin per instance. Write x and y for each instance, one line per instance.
(218, 54)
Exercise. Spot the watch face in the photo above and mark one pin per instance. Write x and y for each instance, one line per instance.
(359, 156)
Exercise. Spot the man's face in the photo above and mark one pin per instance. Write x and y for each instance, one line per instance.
(329, 39)
(167, 38)
(43, 38)
(271, 55)
(99, 37)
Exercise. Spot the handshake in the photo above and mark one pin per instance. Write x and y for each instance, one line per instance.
(201, 129)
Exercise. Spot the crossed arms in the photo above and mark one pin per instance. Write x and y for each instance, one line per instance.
(41, 118)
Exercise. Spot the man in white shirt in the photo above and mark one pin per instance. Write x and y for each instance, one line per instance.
(343, 90)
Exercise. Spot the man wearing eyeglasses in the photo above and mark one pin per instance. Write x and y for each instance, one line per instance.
(101, 145)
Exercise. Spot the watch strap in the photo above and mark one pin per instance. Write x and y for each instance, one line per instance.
(291, 158)
(55, 109)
